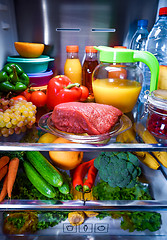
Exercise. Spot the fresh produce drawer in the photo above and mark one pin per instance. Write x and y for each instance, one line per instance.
(93, 227)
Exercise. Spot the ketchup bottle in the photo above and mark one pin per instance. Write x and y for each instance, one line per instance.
(89, 64)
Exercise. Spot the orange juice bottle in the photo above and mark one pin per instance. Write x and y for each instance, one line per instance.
(72, 67)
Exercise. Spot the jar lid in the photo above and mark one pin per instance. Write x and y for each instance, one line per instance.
(72, 48)
(158, 98)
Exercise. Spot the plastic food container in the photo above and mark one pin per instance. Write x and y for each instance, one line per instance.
(157, 113)
(32, 65)
(40, 79)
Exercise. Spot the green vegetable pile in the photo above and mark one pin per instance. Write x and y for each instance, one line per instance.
(136, 221)
(118, 169)
(103, 191)
(23, 189)
(131, 221)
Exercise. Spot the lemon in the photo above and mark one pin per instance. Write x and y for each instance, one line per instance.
(47, 138)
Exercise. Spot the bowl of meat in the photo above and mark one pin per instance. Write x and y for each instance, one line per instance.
(90, 123)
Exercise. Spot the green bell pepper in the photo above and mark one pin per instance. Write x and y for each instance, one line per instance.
(13, 78)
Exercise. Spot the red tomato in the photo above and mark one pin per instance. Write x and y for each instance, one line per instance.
(27, 95)
(38, 98)
(85, 93)
(19, 97)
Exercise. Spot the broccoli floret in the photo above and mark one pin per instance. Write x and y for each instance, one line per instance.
(133, 159)
(118, 168)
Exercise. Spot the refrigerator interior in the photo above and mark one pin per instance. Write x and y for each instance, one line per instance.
(60, 23)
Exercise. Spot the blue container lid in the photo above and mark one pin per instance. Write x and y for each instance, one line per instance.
(142, 23)
(41, 59)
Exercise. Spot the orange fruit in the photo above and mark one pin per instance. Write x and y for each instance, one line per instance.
(29, 50)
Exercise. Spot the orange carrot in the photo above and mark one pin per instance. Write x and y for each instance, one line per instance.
(4, 189)
(3, 171)
(3, 161)
(12, 172)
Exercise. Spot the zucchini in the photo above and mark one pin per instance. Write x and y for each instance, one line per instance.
(65, 188)
(45, 168)
(38, 181)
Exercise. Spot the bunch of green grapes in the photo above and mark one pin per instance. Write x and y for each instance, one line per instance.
(16, 116)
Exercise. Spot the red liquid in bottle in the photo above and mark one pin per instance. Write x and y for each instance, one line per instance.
(89, 65)
(87, 71)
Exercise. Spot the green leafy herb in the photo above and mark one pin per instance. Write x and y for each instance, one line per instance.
(17, 222)
(103, 191)
(131, 221)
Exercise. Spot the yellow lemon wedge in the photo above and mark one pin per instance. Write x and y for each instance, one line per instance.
(47, 138)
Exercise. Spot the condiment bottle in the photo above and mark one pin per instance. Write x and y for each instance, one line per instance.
(72, 67)
(89, 64)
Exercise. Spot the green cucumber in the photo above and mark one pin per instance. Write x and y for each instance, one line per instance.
(65, 188)
(38, 181)
(45, 168)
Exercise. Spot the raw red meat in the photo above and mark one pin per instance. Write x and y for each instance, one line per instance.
(91, 118)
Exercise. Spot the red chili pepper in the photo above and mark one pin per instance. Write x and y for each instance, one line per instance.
(79, 174)
(88, 184)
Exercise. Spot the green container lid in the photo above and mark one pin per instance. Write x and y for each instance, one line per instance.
(115, 55)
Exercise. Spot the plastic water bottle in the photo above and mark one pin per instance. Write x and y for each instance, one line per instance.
(157, 45)
(138, 41)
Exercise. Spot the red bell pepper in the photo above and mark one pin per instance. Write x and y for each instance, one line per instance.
(60, 89)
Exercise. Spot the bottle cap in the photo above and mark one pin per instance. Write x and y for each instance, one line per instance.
(163, 11)
(120, 47)
(142, 23)
(89, 49)
(72, 48)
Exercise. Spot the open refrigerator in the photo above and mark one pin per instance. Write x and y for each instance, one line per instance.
(57, 24)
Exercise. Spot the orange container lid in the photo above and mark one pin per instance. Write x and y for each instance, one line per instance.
(72, 48)
(90, 49)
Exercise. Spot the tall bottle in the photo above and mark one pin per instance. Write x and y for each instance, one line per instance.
(73, 67)
(157, 43)
(89, 64)
(138, 41)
